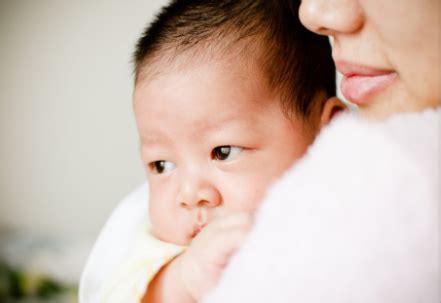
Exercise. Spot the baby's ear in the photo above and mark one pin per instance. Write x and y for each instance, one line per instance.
(331, 108)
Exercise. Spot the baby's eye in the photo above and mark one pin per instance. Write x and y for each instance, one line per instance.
(225, 152)
(161, 166)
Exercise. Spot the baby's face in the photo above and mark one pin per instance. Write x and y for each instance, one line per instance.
(213, 138)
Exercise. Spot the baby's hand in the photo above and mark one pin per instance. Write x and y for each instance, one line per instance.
(204, 260)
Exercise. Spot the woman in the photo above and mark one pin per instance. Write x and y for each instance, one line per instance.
(358, 219)
(398, 44)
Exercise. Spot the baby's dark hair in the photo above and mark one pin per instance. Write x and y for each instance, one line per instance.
(293, 60)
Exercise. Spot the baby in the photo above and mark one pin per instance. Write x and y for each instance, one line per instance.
(228, 95)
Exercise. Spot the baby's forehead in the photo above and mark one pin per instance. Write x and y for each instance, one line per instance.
(204, 95)
(242, 73)
(225, 53)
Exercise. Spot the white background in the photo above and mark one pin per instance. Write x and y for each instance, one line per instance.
(68, 149)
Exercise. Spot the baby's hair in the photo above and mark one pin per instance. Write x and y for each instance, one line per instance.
(293, 60)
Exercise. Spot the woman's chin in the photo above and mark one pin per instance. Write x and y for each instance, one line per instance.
(393, 100)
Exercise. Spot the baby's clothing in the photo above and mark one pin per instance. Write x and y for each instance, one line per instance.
(129, 282)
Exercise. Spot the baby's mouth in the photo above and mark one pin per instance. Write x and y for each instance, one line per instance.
(201, 222)
(197, 229)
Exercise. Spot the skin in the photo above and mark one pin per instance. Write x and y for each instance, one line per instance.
(403, 38)
(184, 114)
(191, 275)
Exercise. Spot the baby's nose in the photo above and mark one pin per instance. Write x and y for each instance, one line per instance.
(199, 194)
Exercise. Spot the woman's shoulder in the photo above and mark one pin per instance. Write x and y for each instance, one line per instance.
(353, 137)
(353, 145)
(354, 158)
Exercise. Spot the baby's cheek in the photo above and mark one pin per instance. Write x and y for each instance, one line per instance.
(156, 219)
(159, 218)
(167, 224)
(162, 230)
(248, 199)
(257, 191)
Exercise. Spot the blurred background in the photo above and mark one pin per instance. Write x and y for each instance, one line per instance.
(68, 150)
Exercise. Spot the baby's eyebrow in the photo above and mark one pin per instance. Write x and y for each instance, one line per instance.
(151, 145)
(153, 138)
(232, 120)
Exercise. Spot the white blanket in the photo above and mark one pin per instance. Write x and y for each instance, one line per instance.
(357, 220)
(113, 245)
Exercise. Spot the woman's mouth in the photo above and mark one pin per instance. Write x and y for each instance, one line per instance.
(359, 82)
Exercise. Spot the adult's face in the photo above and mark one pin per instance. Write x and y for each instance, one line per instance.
(389, 52)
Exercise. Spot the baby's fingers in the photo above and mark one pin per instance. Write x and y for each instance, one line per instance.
(232, 242)
(230, 236)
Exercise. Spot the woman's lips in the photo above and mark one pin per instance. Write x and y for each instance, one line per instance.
(359, 82)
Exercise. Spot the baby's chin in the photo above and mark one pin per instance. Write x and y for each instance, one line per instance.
(177, 238)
